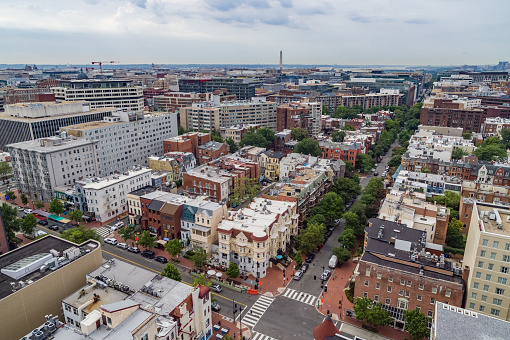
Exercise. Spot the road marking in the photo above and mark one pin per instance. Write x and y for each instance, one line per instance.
(153, 270)
(300, 296)
(103, 231)
(260, 336)
(256, 311)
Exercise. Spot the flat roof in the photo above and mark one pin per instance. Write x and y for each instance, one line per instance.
(5, 116)
(41, 246)
(494, 218)
(35, 145)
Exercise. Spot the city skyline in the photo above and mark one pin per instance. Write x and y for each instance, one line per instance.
(253, 32)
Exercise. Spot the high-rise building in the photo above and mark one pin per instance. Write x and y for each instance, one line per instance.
(243, 88)
(102, 93)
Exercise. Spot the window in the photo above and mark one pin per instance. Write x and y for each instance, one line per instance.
(486, 288)
(388, 301)
(109, 320)
(493, 255)
(365, 294)
(471, 305)
(501, 280)
(434, 290)
(491, 266)
(419, 297)
(506, 258)
(482, 253)
(145, 336)
(482, 308)
(376, 298)
(488, 277)
(497, 302)
(402, 282)
(430, 313)
(366, 283)
(484, 298)
(448, 293)
(401, 292)
(407, 294)
(367, 272)
(473, 296)
(378, 286)
(495, 312)
(480, 264)
(485, 242)
(408, 283)
(432, 301)
(478, 275)
(388, 289)
(507, 246)
(378, 276)
(390, 279)
(504, 270)
(495, 244)
(420, 286)
(500, 291)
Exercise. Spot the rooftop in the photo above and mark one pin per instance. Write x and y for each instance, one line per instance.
(51, 144)
(493, 218)
(38, 249)
(100, 183)
(143, 191)
(5, 116)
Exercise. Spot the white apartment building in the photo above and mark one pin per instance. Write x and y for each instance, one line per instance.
(40, 166)
(214, 115)
(487, 260)
(251, 236)
(102, 93)
(493, 126)
(126, 139)
(107, 197)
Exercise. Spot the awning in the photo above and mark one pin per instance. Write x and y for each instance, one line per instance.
(166, 239)
(162, 242)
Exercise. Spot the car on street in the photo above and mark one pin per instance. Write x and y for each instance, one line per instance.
(123, 245)
(161, 259)
(134, 249)
(43, 222)
(215, 307)
(53, 227)
(110, 240)
(148, 253)
(304, 267)
(310, 258)
(331, 228)
(328, 233)
(325, 275)
(298, 275)
(216, 288)
(21, 208)
(376, 173)
(27, 211)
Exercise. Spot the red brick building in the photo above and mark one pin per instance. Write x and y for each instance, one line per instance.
(396, 270)
(188, 142)
(334, 150)
(210, 151)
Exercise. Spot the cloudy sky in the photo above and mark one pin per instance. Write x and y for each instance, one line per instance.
(345, 32)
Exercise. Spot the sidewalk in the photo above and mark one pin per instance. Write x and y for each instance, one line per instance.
(233, 327)
(273, 283)
(336, 293)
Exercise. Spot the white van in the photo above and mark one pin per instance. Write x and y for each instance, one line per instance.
(333, 261)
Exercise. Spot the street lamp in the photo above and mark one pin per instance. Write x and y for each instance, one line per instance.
(234, 311)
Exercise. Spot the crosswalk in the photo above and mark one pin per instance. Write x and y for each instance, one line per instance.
(299, 296)
(260, 336)
(103, 231)
(256, 311)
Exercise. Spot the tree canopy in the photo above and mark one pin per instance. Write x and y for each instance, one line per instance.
(298, 134)
(5, 169)
(364, 162)
(352, 221)
(370, 313)
(24, 199)
(79, 234)
(10, 220)
(347, 188)
(28, 224)
(347, 238)
(458, 153)
(308, 146)
(76, 215)
(348, 127)
(416, 324)
(56, 207)
(338, 136)
(311, 237)
(146, 240)
(232, 145)
(342, 254)
(262, 137)
(454, 236)
(171, 272)
(325, 110)
(199, 258)
(246, 189)
(215, 136)
(232, 270)
(173, 247)
(126, 233)
(348, 112)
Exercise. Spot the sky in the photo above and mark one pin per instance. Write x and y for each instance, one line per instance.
(321, 32)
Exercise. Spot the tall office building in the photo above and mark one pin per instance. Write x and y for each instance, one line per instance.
(102, 93)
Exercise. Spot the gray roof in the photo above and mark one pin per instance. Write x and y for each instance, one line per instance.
(156, 205)
(112, 307)
(454, 323)
(143, 191)
(133, 276)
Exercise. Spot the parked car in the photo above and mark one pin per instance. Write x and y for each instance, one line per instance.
(298, 275)
(53, 227)
(310, 258)
(161, 259)
(110, 240)
(27, 211)
(331, 228)
(21, 208)
(216, 288)
(328, 233)
(123, 245)
(148, 253)
(43, 222)
(304, 267)
(376, 173)
(325, 274)
(215, 307)
(134, 249)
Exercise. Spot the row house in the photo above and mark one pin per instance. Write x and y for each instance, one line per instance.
(188, 142)
(493, 126)
(281, 138)
(255, 235)
(398, 270)
(334, 169)
(211, 151)
(203, 231)
(134, 206)
(253, 153)
(270, 163)
(236, 132)
(168, 164)
(338, 150)
(429, 183)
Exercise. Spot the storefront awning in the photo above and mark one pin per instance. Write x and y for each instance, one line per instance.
(162, 242)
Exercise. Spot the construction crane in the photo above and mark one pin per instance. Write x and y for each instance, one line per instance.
(100, 63)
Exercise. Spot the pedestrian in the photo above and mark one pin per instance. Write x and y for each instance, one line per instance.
(219, 323)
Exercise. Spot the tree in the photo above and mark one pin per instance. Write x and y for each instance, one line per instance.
(325, 110)
(308, 146)
(232, 271)
(373, 185)
(79, 235)
(338, 136)
(39, 204)
(28, 224)
(215, 136)
(412, 124)
(171, 272)
(5, 169)
(505, 137)
(416, 324)
(10, 220)
(146, 240)
(76, 215)
(299, 259)
(458, 153)
(370, 313)
(403, 137)
(311, 237)
(367, 199)
(364, 162)
(200, 280)
(348, 127)
(425, 171)
(454, 237)
(262, 137)
(342, 254)
(267, 133)
(348, 112)
(24, 199)
(347, 188)
(11, 195)
(333, 206)
(56, 207)
(395, 161)
(347, 238)
(173, 247)
(491, 153)
(126, 233)
(352, 221)
(298, 134)
(181, 130)
(232, 145)
(199, 258)
(246, 189)
(466, 135)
